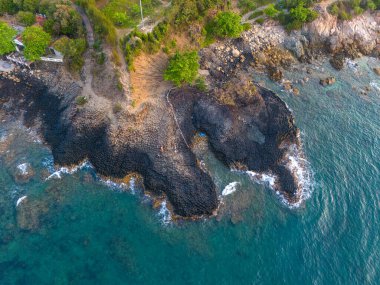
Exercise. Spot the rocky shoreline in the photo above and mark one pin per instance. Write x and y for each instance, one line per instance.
(247, 126)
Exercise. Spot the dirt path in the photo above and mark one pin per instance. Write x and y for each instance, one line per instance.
(245, 17)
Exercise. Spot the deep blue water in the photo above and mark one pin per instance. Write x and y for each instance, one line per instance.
(78, 230)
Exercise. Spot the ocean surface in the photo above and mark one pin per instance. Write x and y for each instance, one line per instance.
(71, 227)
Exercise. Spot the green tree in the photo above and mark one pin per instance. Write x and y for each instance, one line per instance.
(334, 10)
(182, 68)
(299, 15)
(26, 18)
(73, 50)
(7, 6)
(6, 37)
(30, 5)
(36, 40)
(227, 24)
(371, 5)
(271, 11)
(67, 21)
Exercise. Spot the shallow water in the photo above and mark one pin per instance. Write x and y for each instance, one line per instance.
(79, 230)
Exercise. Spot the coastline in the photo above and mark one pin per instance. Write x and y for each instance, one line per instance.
(135, 142)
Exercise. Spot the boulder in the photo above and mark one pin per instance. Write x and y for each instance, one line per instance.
(327, 81)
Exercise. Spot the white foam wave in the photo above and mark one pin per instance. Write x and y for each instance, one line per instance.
(24, 168)
(267, 179)
(375, 85)
(303, 176)
(20, 200)
(230, 188)
(116, 186)
(164, 214)
(65, 170)
(351, 64)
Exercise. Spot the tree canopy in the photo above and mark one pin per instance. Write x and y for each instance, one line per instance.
(182, 68)
(36, 40)
(6, 36)
(72, 49)
(227, 24)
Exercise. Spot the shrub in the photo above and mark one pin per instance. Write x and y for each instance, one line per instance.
(334, 10)
(226, 24)
(6, 36)
(271, 11)
(260, 21)
(7, 6)
(73, 50)
(81, 100)
(371, 5)
(36, 40)
(26, 18)
(358, 10)
(182, 68)
(299, 15)
(117, 108)
(246, 5)
(200, 83)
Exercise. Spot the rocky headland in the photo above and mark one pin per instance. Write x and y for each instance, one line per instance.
(247, 126)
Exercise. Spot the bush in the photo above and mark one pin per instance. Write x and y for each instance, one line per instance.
(246, 5)
(371, 5)
(182, 68)
(260, 21)
(73, 50)
(26, 18)
(271, 11)
(7, 6)
(334, 10)
(226, 24)
(358, 10)
(117, 108)
(81, 100)
(297, 16)
(200, 83)
(6, 36)
(36, 40)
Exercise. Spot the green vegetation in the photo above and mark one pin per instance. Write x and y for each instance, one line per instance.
(184, 12)
(103, 26)
(182, 68)
(224, 25)
(73, 50)
(126, 13)
(26, 18)
(271, 11)
(81, 100)
(64, 21)
(246, 6)
(7, 6)
(36, 41)
(345, 10)
(200, 84)
(137, 42)
(297, 16)
(227, 24)
(117, 108)
(6, 37)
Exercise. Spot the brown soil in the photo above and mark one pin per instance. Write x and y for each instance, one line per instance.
(147, 80)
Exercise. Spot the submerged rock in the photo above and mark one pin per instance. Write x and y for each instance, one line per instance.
(23, 173)
(327, 81)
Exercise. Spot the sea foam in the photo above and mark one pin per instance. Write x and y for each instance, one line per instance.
(230, 188)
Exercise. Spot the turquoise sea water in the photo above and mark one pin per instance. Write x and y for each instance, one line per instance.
(78, 230)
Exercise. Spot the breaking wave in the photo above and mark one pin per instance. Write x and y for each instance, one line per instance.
(230, 188)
